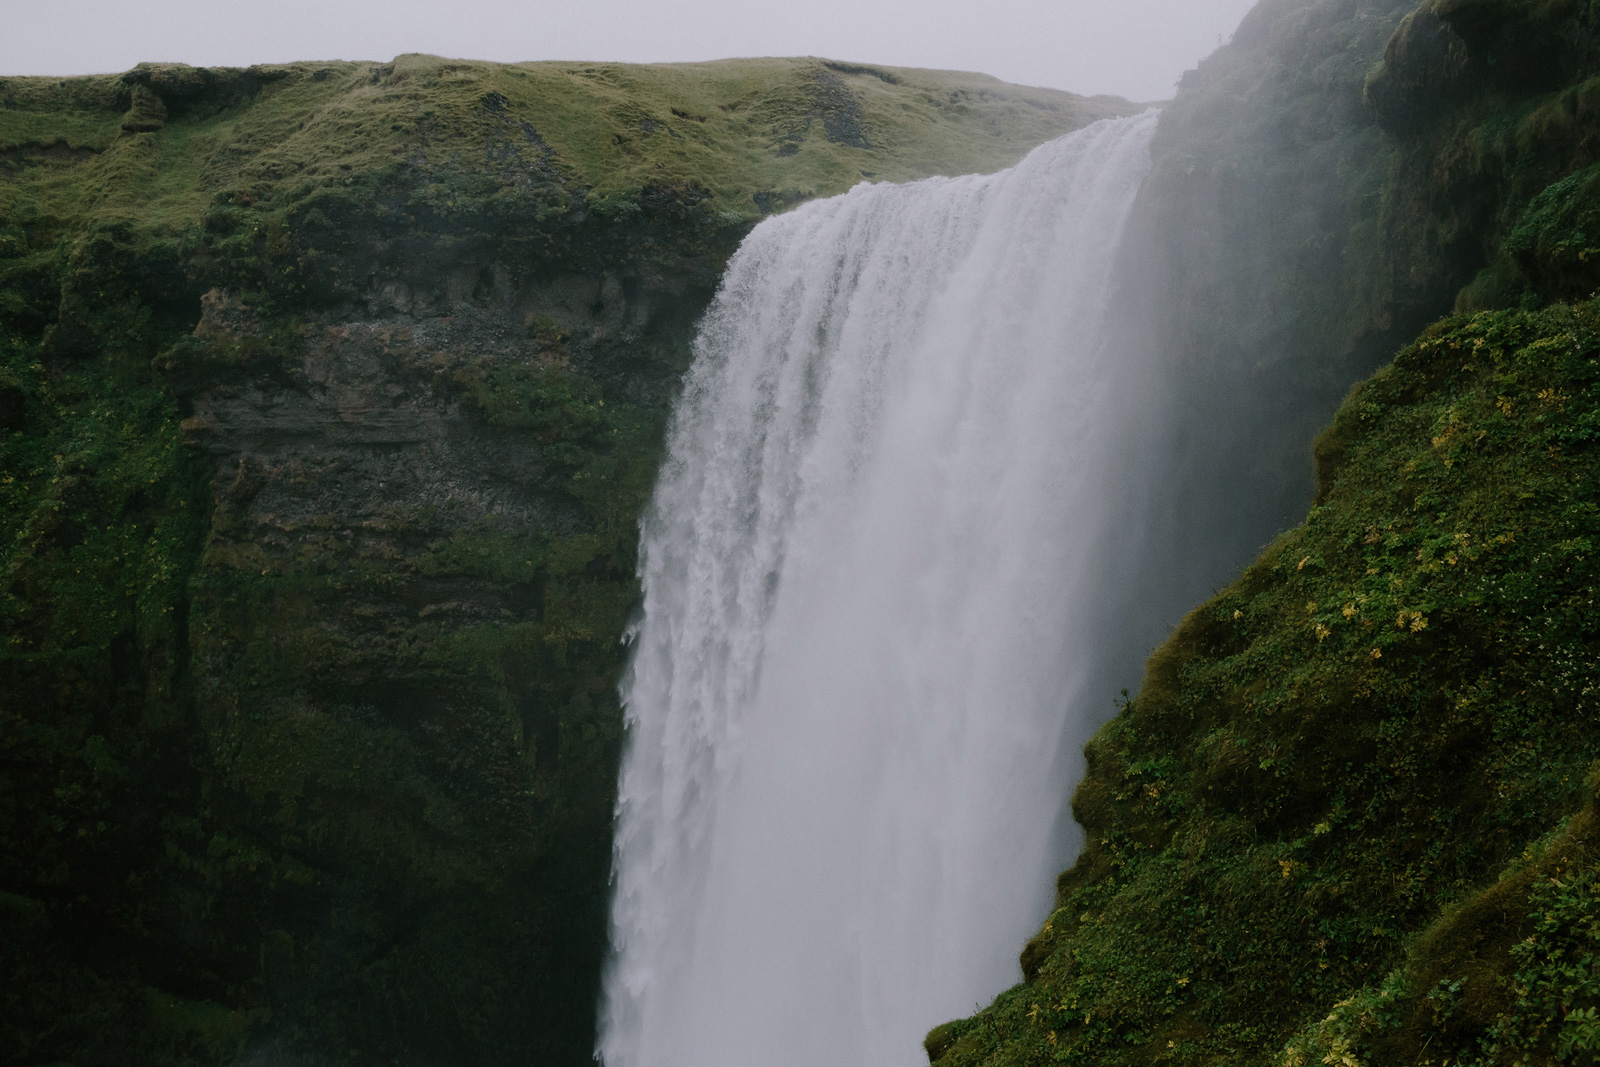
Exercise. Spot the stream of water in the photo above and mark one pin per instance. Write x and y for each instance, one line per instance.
(870, 575)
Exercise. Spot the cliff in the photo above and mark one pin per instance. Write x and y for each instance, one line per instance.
(329, 397)
(1349, 816)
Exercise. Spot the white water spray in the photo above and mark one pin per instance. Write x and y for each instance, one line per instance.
(869, 570)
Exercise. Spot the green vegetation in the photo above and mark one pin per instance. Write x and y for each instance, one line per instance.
(330, 395)
(162, 142)
(103, 512)
(1350, 816)
(1331, 762)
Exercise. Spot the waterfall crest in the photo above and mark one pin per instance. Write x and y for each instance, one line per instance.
(869, 571)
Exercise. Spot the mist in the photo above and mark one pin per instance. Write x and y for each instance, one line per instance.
(870, 605)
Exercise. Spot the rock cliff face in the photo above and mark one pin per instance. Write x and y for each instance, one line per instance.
(329, 398)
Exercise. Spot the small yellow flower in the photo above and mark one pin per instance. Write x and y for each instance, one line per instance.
(1377, 653)
(1348, 611)
(1321, 631)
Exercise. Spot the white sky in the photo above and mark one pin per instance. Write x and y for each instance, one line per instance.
(1135, 48)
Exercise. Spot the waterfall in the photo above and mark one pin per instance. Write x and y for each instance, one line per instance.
(871, 577)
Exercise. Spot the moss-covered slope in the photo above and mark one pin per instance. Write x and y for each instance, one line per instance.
(747, 134)
(1349, 816)
(1392, 708)
(329, 397)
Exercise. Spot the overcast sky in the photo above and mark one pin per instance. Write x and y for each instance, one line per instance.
(1135, 48)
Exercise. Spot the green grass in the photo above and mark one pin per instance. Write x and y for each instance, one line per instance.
(789, 127)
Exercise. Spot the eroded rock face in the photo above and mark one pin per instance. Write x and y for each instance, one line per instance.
(366, 795)
(420, 560)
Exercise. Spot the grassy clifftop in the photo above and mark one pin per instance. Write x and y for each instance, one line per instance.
(749, 135)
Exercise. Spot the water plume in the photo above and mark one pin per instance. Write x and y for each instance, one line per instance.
(871, 575)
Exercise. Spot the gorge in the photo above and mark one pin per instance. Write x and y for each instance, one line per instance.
(331, 396)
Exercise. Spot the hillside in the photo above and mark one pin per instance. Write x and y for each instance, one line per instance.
(742, 136)
(329, 398)
(1351, 809)
(1349, 816)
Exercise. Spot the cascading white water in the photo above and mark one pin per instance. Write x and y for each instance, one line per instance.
(868, 570)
